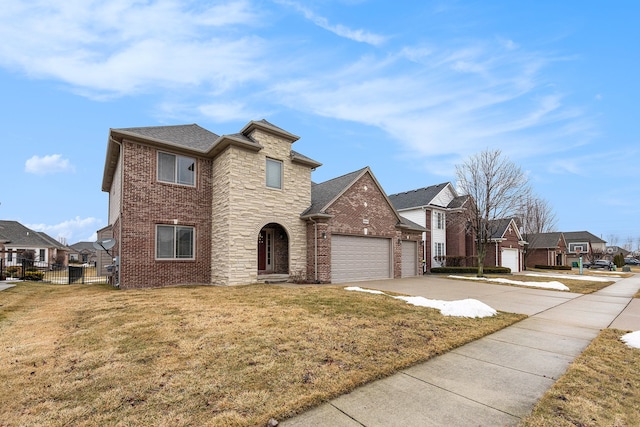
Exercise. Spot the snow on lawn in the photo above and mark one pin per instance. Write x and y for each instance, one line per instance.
(549, 285)
(632, 339)
(460, 308)
(575, 277)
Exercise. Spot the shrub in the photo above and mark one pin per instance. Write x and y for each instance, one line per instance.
(553, 267)
(618, 260)
(470, 270)
(33, 275)
(12, 271)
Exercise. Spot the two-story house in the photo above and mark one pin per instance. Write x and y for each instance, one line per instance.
(583, 244)
(438, 208)
(187, 206)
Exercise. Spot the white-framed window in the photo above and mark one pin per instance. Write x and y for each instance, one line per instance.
(439, 220)
(274, 173)
(176, 169)
(9, 255)
(42, 255)
(439, 249)
(175, 242)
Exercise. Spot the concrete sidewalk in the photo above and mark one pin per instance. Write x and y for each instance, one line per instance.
(496, 380)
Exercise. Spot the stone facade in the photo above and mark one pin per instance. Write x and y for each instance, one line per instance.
(243, 205)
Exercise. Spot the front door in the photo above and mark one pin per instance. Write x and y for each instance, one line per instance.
(265, 250)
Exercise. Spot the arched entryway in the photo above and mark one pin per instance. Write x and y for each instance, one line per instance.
(273, 250)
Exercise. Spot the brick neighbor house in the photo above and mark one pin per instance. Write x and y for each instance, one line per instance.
(438, 208)
(548, 249)
(506, 245)
(187, 206)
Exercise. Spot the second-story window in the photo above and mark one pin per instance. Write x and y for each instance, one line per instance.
(176, 169)
(274, 173)
(439, 220)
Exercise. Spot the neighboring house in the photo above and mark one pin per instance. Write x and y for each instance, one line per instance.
(548, 249)
(612, 251)
(83, 253)
(585, 244)
(506, 245)
(16, 239)
(187, 206)
(361, 235)
(437, 209)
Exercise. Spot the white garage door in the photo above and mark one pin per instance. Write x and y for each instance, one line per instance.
(359, 258)
(409, 259)
(510, 259)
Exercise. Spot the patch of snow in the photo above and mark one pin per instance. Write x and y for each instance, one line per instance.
(632, 339)
(574, 277)
(359, 289)
(461, 308)
(547, 285)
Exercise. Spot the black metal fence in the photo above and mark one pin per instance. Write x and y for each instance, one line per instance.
(51, 273)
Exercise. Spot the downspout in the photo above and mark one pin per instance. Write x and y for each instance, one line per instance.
(315, 249)
(497, 262)
(120, 210)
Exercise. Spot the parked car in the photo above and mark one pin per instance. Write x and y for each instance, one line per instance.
(602, 263)
(586, 264)
(631, 261)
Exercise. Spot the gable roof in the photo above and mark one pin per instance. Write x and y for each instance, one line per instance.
(417, 198)
(581, 236)
(16, 234)
(323, 195)
(195, 140)
(499, 227)
(83, 246)
(545, 240)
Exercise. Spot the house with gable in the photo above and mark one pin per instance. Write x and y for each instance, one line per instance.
(506, 245)
(16, 239)
(438, 208)
(188, 206)
(549, 249)
(362, 236)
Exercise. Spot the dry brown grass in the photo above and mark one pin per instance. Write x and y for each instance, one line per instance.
(601, 388)
(92, 355)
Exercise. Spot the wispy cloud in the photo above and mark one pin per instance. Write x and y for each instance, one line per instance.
(340, 30)
(128, 47)
(53, 163)
(70, 229)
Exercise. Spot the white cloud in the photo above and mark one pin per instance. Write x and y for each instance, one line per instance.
(48, 164)
(127, 46)
(70, 228)
(361, 36)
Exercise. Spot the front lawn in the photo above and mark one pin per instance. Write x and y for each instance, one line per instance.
(600, 388)
(184, 356)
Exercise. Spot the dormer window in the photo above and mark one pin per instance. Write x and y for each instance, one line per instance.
(274, 173)
(176, 169)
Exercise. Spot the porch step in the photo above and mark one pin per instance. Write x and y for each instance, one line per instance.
(273, 278)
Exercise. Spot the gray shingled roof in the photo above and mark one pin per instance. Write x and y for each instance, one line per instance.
(458, 202)
(416, 198)
(189, 136)
(322, 194)
(581, 236)
(83, 246)
(17, 234)
(544, 240)
(498, 227)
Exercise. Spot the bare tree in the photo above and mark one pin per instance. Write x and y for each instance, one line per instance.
(612, 240)
(498, 189)
(537, 217)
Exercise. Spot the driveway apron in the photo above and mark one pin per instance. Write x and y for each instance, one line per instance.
(495, 380)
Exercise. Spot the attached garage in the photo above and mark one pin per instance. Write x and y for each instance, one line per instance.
(409, 259)
(356, 258)
(510, 259)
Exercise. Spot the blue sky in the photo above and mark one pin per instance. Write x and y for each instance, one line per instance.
(408, 88)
